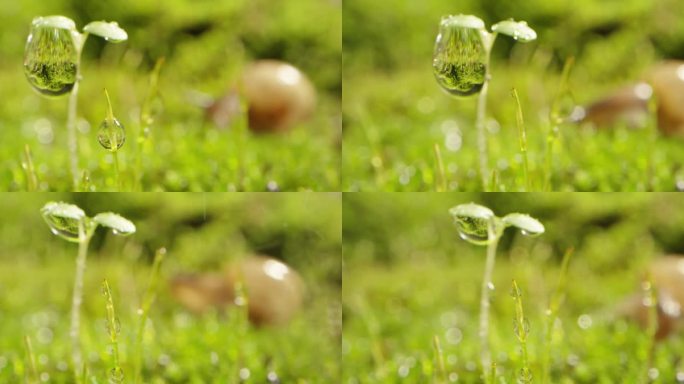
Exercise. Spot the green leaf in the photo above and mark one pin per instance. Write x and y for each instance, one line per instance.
(57, 21)
(526, 223)
(463, 21)
(519, 30)
(471, 210)
(118, 224)
(109, 31)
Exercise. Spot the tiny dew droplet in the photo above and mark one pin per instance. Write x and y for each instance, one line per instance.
(50, 56)
(111, 134)
(473, 222)
(459, 56)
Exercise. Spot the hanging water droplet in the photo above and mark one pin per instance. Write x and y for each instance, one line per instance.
(524, 376)
(473, 222)
(64, 220)
(116, 375)
(459, 57)
(521, 333)
(111, 134)
(50, 56)
(117, 326)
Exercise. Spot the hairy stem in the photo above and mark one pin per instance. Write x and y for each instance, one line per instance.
(481, 114)
(485, 356)
(71, 116)
(77, 299)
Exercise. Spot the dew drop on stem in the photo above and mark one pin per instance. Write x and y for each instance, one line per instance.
(111, 134)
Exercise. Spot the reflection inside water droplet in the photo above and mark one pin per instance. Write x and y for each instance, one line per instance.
(459, 59)
(111, 134)
(50, 60)
(64, 227)
(473, 229)
(116, 375)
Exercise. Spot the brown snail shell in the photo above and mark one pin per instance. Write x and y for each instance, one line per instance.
(274, 290)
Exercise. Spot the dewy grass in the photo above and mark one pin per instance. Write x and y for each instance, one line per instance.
(521, 328)
(460, 64)
(52, 64)
(478, 225)
(439, 376)
(551, 314)
(522, 134)
(148, 299)
(31, 375)
(116, 374)
(650, 300)
(112, 137)
(69, 222)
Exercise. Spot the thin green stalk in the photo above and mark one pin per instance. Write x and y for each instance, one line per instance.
(481, 112)
(29, 170)
(485, 355)
(521, 329)
(77, 299)
(71, 116)
(552, 315)
(651, 298)
(31, 370)
(523, 138)
(440, 176)
(148, 299)
(113, 328)
(440, 376)
(555, 120)
(113, 139)
(146, 121)
(492, 373)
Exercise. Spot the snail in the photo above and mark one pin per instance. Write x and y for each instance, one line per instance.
(277, 94)
(274, 290)
(629, 105)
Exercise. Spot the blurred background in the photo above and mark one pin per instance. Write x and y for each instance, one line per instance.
(203, 233)
(207, 45)
(394, 111)
(409, 277)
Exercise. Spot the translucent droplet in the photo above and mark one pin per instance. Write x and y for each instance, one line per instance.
(111, 134)
(50, 58)
(117, 326)
(64, 220)
(459, 56)
(116, 375)
(528, 225)
(524, 376)
(521, 333)
(473, 222)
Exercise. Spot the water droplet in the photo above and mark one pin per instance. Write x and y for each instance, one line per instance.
(521, 333)
(473, 222)
(116, 375)
(528, 225)
(111, 134)
(584, 321)
(459, 58)
(50, 59)
(117, 326)
(64, 220)
(524, 376)
(491, 286)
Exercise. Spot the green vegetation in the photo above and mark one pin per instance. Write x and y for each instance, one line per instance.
(172, 144)
(395, 113)
(138, 316)
(411, 293)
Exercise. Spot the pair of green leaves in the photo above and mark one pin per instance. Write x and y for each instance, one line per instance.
(519, 30)
(109, 31)
(69, 222)
(477, 224)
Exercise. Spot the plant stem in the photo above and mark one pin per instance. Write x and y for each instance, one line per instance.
(77, 298)
(148, 299)
(117, 177)
(440, 177)
(521, 329)
(481, 112)
(554, 120)
(523, 137)
(71, 116)
(485, 356)
(29, 170)
(440, 376)
(31, 371)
